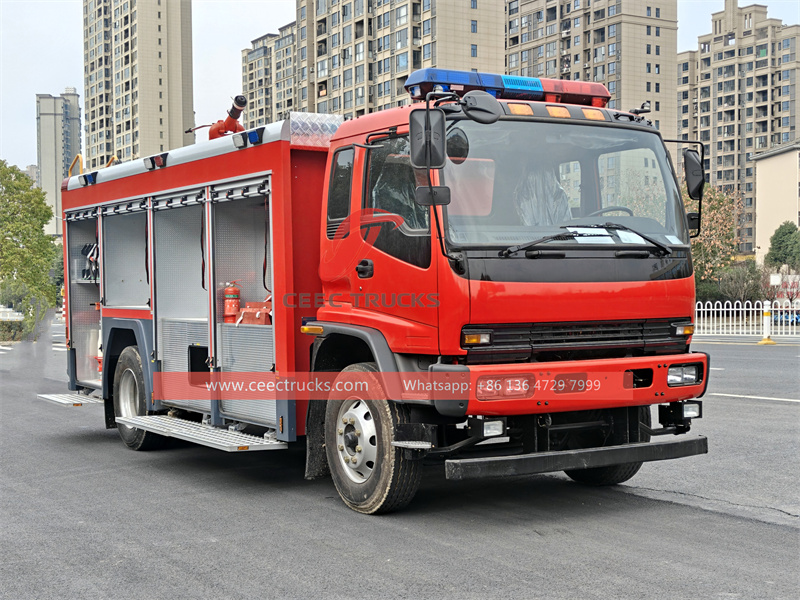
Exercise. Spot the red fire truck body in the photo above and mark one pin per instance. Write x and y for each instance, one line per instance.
(316, 216)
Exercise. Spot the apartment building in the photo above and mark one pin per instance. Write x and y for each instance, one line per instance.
(58, 140)
(138, 78)
(737, 93)
(627, 45)
(353, 57)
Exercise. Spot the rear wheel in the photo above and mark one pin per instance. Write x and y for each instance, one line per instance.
(130, 400)
(613, 474)
(370, 474)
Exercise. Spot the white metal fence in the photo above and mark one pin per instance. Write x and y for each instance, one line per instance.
(751, 318)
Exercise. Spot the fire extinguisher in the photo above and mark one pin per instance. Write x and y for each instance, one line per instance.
(231, 294)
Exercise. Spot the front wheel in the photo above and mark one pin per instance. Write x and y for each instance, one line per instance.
(130, 400)
(370, 474)
(613, 474)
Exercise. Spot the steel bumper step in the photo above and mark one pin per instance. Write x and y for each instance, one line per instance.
(70, 399)
(205, 435)
(565, 460)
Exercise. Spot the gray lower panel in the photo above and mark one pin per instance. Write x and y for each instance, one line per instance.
(70, 399)
(205, 435)
(247, 348)
(565, 460)
(175, 337)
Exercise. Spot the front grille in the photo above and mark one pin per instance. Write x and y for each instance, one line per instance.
(526, 342)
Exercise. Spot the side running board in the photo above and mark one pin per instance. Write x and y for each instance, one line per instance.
(70, 399)
(205, 435)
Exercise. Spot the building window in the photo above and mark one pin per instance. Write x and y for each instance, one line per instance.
(649, 11)
(647, 86)
(658, 50)
(658, 31)
(648, 49)
(474, 26)
(658, 13)
(473, 4)
(648, 29)
(473, 50)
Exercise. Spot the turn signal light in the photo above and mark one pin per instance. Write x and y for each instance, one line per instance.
(473, 339)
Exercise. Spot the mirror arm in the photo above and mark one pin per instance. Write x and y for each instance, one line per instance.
(702, 164)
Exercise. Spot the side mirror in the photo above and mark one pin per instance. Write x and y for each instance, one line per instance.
(437, 195)
(481, 107)
(693, 220)
(693, 172)
(428, 148)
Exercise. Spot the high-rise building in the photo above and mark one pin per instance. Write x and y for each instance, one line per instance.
(257, 81)
(32, 171)
(58, 140)
(737, 94)
(627, 45)
(138, 77)
(353, 57)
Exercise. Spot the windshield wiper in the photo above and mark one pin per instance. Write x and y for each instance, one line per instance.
(663, 249)
(563, 236)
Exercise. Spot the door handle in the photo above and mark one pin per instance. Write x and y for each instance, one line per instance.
(365, 269)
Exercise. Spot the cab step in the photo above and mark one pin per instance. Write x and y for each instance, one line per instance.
(205, 435)
(70, 399)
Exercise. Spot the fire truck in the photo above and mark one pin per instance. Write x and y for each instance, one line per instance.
(505, 262)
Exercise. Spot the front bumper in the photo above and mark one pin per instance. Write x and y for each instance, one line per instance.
(615, 383)
(565, 460)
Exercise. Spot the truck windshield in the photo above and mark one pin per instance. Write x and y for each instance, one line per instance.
(516, 181)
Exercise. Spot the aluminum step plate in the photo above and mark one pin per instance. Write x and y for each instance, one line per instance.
(70, 399)
(205, 435)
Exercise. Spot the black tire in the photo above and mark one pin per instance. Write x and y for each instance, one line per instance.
(130, 401)
(391, 481)
(615, 473)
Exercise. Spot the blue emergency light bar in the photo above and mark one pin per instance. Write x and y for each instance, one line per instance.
(507, 87)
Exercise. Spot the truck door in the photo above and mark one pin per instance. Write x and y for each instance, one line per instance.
(395, 272)
(386, 239)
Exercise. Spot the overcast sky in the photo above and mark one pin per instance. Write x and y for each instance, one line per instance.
(41, 53)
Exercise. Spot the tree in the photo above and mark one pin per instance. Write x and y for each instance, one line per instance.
(715, 248)
(741, 282)
(26, 252)
(784, 247)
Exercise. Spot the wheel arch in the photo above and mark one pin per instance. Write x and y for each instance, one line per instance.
(119, 334)
(340, 346)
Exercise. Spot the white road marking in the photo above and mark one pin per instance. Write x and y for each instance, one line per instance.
(756, 397)
(6, 347)
(60, 349)
(717, 368)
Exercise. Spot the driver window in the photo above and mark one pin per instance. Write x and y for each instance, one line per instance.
(633, 180)
(390, 206)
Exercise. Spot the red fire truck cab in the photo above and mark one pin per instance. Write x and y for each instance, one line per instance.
(516, 308)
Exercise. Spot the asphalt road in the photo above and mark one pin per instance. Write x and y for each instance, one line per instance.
(81, 516)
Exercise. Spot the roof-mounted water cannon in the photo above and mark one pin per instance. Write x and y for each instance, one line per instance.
(507, 87)
(231, 123)
(642, 110)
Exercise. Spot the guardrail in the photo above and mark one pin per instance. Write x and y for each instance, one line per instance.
(749, 318)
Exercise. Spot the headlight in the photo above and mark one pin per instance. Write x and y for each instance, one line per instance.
(683, 375)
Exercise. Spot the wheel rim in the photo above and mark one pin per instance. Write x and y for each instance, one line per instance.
(128, 397)
(356, 440)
